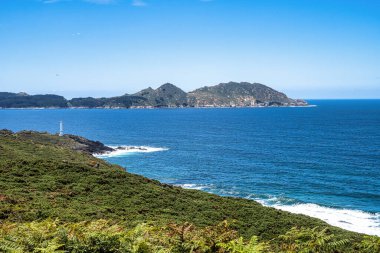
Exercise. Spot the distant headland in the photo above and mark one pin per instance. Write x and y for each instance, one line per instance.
(230, 94)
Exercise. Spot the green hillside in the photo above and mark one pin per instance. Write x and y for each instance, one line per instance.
(42, 177)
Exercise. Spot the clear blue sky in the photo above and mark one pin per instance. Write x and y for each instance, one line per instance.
(305, 48)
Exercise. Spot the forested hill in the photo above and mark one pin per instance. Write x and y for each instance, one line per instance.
(230, 94)
(44, 176)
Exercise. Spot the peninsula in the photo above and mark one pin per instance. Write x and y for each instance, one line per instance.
(230, 94)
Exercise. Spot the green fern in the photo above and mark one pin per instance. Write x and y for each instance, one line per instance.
(306, 240)
(370, 244)
(10, 245)
(50, 236)
(239, 246)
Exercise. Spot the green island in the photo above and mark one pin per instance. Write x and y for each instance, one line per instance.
(56, 197)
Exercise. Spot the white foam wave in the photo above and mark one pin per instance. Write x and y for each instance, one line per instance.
(349, 219)
(194, 186)
(126, 150)
(353, 220)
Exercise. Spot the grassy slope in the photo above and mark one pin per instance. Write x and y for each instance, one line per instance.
(40, 177)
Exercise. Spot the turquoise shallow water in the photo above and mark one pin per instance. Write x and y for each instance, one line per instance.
(323, 161)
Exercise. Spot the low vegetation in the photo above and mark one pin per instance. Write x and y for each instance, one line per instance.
(54, 199)
(103, 236)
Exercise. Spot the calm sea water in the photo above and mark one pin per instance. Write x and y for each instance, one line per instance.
(322, 161)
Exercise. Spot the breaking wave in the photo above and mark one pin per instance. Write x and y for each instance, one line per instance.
(349, 219)
(353, 220)
(203, 187)
(120, 151)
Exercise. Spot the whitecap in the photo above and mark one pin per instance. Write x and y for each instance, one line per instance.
(349, 219)
(126, 150)
(194, 186)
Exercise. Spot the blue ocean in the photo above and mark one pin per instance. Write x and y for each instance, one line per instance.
(322, 161)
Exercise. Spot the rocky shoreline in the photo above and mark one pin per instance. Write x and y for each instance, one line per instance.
(74, 142)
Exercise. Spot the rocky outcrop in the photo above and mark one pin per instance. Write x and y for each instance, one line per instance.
(86, 145)
(70, 141)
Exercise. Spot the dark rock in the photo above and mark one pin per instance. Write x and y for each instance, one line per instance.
(88, 146)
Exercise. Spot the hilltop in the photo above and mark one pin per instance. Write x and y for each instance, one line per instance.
(230, 94)
(240, 95)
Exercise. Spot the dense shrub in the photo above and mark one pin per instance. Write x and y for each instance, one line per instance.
(103, 236)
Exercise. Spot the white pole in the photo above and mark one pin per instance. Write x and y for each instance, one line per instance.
(61, 128)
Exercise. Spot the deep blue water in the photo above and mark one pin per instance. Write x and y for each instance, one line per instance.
(292, 158)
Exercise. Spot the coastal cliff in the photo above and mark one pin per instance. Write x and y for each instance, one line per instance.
(230, 94)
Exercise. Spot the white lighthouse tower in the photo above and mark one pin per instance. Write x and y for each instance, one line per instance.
(61, 128)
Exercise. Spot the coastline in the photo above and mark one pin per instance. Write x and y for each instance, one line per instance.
(152, 108)
(121, 195)
(349, 219)
(158, 144)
